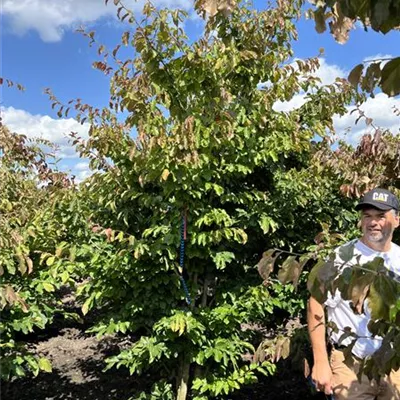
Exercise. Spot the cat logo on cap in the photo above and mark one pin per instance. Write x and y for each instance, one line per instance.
(383, 197)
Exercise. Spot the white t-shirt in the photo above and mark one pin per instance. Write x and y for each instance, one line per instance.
(340, 312)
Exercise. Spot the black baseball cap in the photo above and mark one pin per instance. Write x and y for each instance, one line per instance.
(381, 199)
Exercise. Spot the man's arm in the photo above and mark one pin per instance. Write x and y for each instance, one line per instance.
(321, 372)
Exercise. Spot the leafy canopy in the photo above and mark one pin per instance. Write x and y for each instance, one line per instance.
(192, 132)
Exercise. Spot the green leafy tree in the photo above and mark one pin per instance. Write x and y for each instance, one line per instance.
(195, 174)
(33, 225)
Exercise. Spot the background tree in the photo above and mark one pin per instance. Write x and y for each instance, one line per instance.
(35, 213)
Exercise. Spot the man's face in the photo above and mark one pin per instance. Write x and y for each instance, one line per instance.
(378, 226)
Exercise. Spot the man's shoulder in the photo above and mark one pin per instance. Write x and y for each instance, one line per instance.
(348, 244)
(395, 249)
(356, 247)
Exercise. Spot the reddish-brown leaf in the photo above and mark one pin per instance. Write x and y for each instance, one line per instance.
(355, 75)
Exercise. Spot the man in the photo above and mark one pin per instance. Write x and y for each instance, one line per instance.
(379, 218)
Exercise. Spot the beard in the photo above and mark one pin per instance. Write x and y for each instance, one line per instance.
(376, 237)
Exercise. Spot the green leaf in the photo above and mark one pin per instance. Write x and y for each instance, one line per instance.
(50, 261)
(165, 174)
(21, 264)
(45, 365)
(321, 278)
(381, 13)
(221, 259)
(290, 271)
(346, 253)
(390, 77)
(86, 305)
(265, 223)
(48, 287)
(64, 276)
(383, 295)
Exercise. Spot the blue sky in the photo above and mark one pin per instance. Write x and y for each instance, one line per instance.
(41, 49)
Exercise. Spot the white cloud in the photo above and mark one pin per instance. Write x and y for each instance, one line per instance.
(380, 109)
(50, 18)
(329, 72)
(81, 171)
(295, 102)
(81, 166)
(56, 131)
(377, 57)
(43, 126)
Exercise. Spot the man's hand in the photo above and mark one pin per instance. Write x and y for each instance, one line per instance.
(322, 372)
(322, 377)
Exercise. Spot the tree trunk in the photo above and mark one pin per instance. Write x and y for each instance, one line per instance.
(205, 292)
(183, 379)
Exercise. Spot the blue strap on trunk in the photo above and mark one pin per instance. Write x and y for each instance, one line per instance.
(182, 259)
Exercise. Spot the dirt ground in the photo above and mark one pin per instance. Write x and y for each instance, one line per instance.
(77, 374)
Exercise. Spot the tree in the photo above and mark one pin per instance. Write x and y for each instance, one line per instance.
(382, 16)
(195, 174)
(33, 226)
